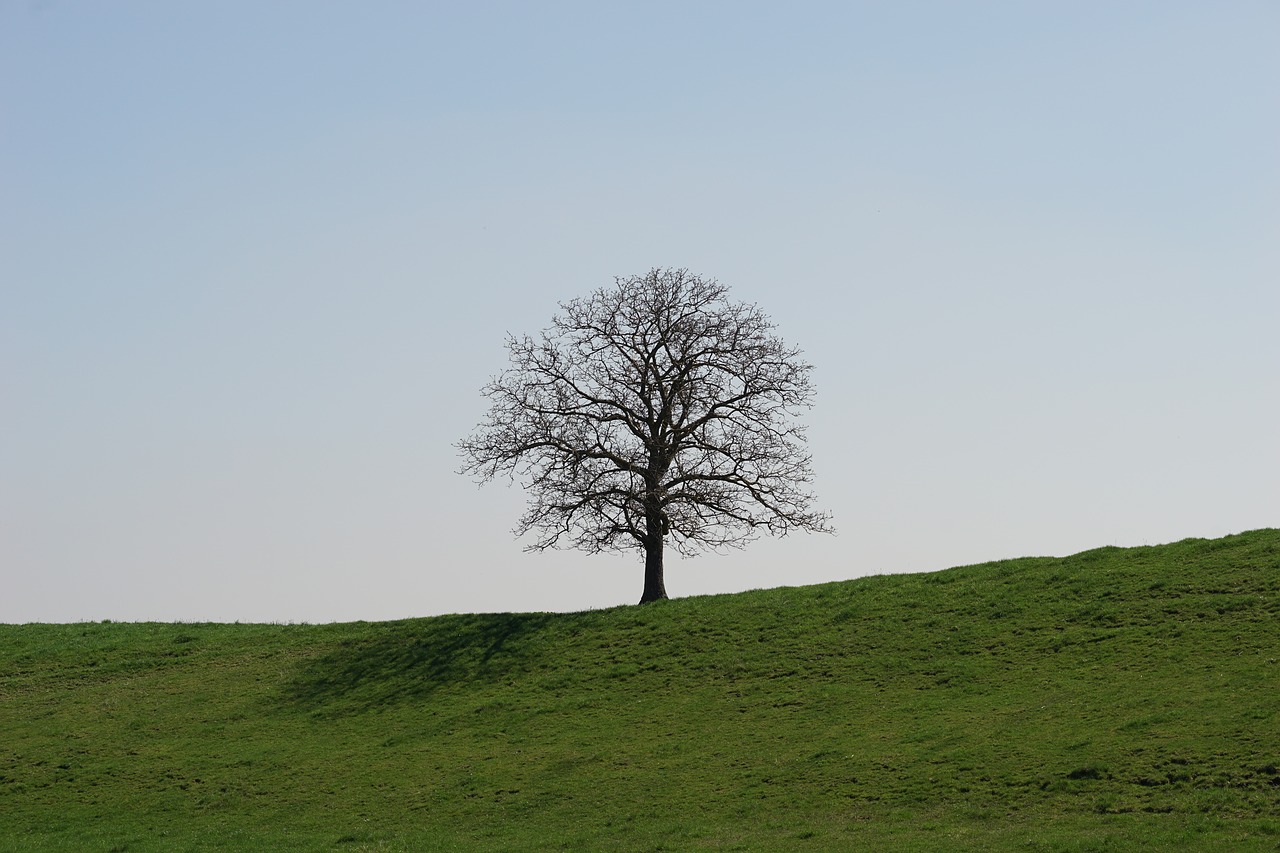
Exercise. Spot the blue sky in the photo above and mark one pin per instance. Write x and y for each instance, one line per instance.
(257, 259)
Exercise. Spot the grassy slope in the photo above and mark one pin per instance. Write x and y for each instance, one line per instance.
(1117, 699)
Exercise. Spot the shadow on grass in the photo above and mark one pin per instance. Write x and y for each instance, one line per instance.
(408, 661)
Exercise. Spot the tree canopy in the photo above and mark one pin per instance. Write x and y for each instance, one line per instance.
(656, 410)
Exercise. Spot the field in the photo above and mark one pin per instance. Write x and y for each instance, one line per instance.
(1119, 699)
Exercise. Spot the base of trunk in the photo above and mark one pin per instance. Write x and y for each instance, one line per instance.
(654, 588)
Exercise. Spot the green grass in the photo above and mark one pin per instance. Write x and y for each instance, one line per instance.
(1120, 699)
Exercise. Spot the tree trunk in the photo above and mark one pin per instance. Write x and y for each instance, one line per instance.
(654, 588)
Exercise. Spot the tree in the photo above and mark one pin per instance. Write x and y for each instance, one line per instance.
(653, 410)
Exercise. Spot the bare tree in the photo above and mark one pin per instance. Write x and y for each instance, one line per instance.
(653, 410)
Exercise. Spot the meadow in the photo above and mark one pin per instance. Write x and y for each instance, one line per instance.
(1118, 699)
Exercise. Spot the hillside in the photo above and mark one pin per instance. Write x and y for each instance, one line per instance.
(1116, 699)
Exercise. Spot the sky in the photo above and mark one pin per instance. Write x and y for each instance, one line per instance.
(257, 260)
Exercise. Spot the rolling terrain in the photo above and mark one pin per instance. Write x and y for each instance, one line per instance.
(1115, 699)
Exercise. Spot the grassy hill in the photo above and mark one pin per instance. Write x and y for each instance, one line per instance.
(1116, 699)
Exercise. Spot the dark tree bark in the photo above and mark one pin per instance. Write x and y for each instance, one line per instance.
(654, 586)
(650, 412)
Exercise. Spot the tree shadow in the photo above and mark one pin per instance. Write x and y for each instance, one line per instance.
(411, 660)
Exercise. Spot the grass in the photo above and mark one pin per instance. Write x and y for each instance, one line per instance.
(1119, 699)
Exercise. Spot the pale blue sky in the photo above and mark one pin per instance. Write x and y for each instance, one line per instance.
(257, 258)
